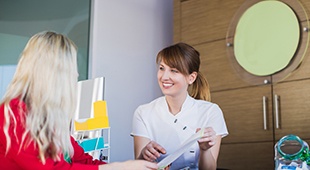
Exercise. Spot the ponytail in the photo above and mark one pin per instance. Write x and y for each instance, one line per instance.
(200, 88)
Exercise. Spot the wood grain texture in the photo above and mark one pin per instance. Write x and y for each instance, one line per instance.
(219, 69)
(247, 156)
(243, 112)
(204, 24)
(176, 21)
(206, 20)
(294, 108)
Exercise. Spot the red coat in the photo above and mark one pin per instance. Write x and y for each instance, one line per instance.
(27, 157)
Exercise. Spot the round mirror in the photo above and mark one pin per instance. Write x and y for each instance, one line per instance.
(267, 40)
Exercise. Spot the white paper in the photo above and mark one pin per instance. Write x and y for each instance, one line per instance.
(189, 142)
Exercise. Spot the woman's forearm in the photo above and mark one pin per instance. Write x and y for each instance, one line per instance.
(207, 160)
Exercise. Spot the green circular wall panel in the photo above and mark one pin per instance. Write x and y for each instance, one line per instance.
(266, 38)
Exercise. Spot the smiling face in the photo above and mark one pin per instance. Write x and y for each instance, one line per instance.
(172, 82)
(178, 67)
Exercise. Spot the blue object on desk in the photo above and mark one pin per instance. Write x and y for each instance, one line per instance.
(92, 144)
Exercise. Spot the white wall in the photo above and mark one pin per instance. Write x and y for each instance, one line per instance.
(125, 38)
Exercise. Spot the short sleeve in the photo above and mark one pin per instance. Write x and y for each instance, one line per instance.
(217, 121)
(139, 125)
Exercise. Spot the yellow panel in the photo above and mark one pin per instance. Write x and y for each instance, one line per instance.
(100, 108)
(100, 120)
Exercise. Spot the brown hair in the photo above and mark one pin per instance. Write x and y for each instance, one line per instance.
(186, 59)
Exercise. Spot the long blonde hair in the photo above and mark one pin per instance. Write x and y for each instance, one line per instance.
(45, 79)
(186, 59)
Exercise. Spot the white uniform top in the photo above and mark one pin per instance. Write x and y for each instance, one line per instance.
(155, 122)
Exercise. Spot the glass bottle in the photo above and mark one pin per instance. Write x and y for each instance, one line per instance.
(292, 153)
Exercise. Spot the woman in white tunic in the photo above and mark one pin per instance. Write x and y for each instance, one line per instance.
(161, 126)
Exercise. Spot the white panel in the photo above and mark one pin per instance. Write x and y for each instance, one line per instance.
(88, 92)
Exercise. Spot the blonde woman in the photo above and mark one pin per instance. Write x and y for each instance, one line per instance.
(37, 108)
(164, 124)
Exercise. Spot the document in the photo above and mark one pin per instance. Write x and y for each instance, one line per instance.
(189, 142)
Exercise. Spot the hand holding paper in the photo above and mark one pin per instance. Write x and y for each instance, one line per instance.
(152, 151)
(208, 139)
(190, 141)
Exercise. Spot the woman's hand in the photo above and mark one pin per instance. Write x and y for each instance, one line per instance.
(130, 165)
(208, 139)
(152, 151)
(209, 145)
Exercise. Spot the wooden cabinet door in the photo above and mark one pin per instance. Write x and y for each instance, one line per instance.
(218, 69)
(293, 109)
(244, 115)
(204, 20)
(246, 156)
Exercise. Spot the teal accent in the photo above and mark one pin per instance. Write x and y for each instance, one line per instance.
(292, 140)
(67, 158)
(92, 144)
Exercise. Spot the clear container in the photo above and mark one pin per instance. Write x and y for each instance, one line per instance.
(291, 153)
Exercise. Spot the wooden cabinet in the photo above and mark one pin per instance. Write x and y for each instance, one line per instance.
(244, 114)
(257, 113)
(248, 115)
(220, 72)
(257, 117)
(203, 20)
(246, 156)
(293, 109)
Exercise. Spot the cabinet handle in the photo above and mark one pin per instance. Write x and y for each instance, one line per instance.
(276, 109)
(265, 112)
